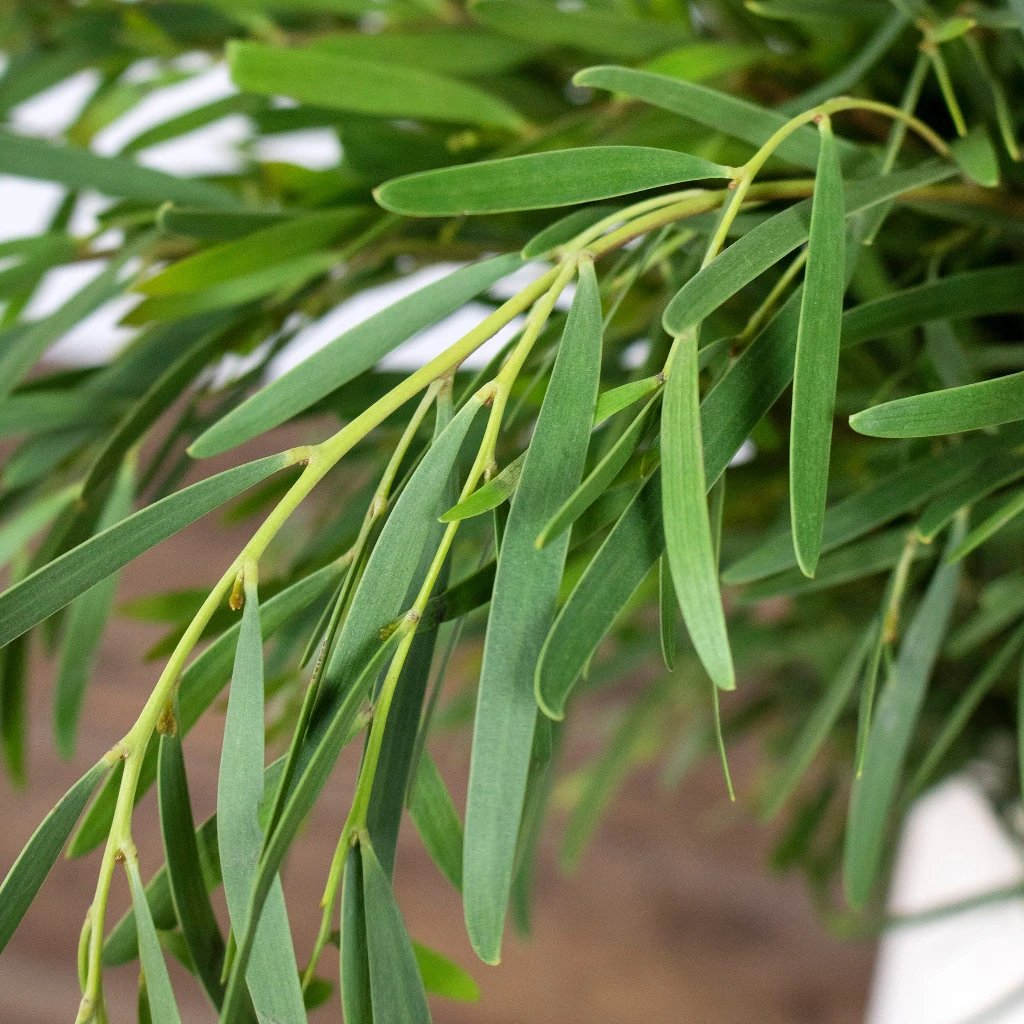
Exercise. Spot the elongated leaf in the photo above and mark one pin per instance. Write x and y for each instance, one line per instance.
(766, 244)
(817, 357)
(595, 30)
(191, 900)
(716, 110)
(563, 230)
(23, 526)
(687, 525)
(498, 489)
(339, 82)
(29, 871)
(462, 52)
(272, 973)
(356, 1000)
(162, 1007)
(396, 988)
(892, 729)
(956, 297)
(888, 498)
(873, 554)
(611, 402)
(598, 479)
(522, 608)
(1006, 513)
(215, 225)
(621, 564)
(87, 619)
(437, 820)
(21, 346)
(444, 977)
(982, 479)
(537, 181)
(818, 726)
(110, 175)
(988, 403)
(59, 582)
(350, 355)
(275, 244)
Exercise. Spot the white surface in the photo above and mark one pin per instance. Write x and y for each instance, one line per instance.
(968, 966)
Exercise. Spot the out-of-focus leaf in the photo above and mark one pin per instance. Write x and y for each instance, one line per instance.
(444, 977)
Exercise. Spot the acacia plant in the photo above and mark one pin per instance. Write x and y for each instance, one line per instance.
(749, 277)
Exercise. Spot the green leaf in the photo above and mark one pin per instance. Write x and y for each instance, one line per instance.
(818, 725)
(215, 225)
(355, 961)
(899, 706)
(21, 346)
(687, 525)
(956, 297)
(56, 584)
(109, 175)
(817, 357)
(338, 82)
(990, 472)
(602, 31)
(621, 564)
(278, 243)
(697, 61)
(460, 52)
(444, 977)
(162, 1007)
(987, 403)
(597, 481)
(866, 557)
(191, 900)
(396, 988)
(21, 527)
(537, 181)
(763, 246)
(563, 230)
(349, 355)
(976, 156)
(522, 608)
(715, 110)
(498, 489)
(615, 400)
(889, 497)
(86, 621)
(437, 820)
(1005, 513)
(272, 973)
(29, 871)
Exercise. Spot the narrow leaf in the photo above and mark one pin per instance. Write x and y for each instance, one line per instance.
(899, 705)
(396, 987)
(817, 357)
(272, 973)
(987, 403)
(522, 608)
(56, 584)
(191, 900)
(537, 181)
(444, 977)
(160, 996)
(687, 525)
(437, 820)
(489, 496)
(338, 82)
(29, 871)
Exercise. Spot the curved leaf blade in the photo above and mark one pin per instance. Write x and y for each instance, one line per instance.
(522, 608)
(687, 524)
(988, 403)
(816, 370)
(538, 181)
(29, 871)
